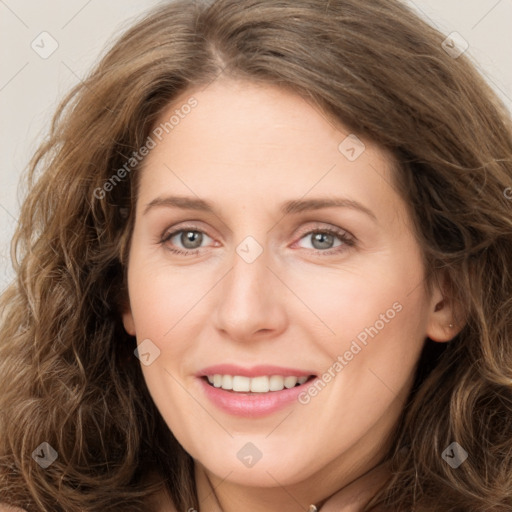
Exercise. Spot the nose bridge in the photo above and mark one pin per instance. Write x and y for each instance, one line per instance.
(249, 302)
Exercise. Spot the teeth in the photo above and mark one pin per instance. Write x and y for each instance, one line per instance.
(276, 383)
(261, 384)
(241, 383)
(289, 382)
(227, 382)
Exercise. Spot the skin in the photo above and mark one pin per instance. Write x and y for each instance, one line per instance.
(248, 148)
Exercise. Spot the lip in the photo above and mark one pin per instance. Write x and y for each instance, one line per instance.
(254, 371)
(252, 405)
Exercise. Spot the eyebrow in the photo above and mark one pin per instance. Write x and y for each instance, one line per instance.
(287, 208)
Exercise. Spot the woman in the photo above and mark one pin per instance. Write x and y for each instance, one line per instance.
(264, 265)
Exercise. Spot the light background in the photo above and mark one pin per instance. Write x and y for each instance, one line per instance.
(31, 87)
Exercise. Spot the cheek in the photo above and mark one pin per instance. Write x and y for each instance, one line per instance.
(161, 296)
(351, 298)
(380, 331)
(371, 318)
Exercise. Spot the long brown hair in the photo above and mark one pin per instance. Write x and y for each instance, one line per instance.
(68, 375)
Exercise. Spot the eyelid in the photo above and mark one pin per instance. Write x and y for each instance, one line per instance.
(345, 237)
(170, 233)
(323, 227)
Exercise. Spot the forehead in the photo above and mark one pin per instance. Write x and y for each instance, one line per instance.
(240, 117)
(244, 140)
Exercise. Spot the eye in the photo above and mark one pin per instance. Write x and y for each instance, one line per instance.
(185, 241)
(328, 240)
(188, 241)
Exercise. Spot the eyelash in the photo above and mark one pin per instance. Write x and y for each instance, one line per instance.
(343, 236)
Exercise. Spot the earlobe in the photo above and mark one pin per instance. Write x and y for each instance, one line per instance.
(128, 323)
(442, 325)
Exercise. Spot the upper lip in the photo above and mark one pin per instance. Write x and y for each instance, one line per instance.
(253, 371)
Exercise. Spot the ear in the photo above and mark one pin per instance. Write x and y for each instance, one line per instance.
(444, 320)
(124, 309)
(128, 322)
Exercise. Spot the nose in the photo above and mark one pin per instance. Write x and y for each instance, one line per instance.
(251, 301)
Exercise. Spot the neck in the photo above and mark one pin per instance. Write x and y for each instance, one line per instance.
(218, 495)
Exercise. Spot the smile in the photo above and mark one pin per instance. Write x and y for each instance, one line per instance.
(258, 384)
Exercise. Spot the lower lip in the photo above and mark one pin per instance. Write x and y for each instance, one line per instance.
(252, 405)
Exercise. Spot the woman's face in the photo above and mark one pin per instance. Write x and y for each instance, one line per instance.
(239, 272)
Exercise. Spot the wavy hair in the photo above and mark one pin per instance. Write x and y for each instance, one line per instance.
(67, 371)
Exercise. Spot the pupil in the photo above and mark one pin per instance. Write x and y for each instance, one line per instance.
(190, 237)
(324, 239)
